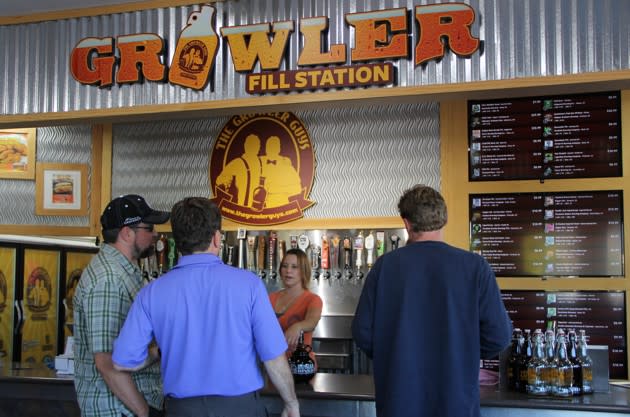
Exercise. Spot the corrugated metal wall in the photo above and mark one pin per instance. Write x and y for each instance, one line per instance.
(362, 166)
(521, 38)
(68, 145)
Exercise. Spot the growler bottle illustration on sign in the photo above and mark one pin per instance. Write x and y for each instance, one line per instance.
(302, 366)
(195, 50)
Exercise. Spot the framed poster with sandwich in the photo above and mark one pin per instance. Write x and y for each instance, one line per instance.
(61, 189)
(17, 154)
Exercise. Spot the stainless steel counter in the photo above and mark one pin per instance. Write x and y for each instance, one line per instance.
(26, 392)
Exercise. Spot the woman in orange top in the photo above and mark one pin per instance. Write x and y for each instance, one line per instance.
(297, 308)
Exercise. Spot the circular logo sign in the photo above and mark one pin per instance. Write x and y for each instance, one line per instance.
(262, 168)
(193, 57)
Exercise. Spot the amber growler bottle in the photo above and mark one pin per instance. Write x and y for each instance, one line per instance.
(526, 355)
(302, 366)
(572, 350)
(514, 362)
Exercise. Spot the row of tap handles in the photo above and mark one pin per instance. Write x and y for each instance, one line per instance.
(334, 255)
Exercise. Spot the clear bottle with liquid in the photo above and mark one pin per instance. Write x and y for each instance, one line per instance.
(563, 382)
(586, 364)
(551, 373)
(537, 368)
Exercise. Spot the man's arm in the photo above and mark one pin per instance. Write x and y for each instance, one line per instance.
(280, 375)
(495, 326)
(363, 321)
(152, 357)
(121, 384)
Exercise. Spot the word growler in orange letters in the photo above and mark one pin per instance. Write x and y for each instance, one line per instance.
(262, 169)
(378, 35)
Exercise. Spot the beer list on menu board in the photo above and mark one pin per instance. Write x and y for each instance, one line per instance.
(573, 136)
(601, 314)
(549, 234)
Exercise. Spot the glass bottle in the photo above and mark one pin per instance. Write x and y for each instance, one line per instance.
(260, 195)
(300, 362)
(513, 370)
(550, 374)
(563, 382)
(586, 364)
(526, 356)
(537, 367)
(572, 352)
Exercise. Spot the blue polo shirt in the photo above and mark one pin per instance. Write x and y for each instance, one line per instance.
(211, 321)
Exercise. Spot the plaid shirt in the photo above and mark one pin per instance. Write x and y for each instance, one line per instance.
(102, 299)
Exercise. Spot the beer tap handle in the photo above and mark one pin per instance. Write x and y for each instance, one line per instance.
(347, 257)
(260, 264)
(241, 236)
(369, 249)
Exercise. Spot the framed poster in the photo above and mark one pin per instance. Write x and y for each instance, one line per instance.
(61, 190)
(17, 154)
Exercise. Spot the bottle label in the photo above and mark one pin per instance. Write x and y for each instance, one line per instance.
(302, 368)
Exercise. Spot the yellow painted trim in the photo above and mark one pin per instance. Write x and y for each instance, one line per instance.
(40, 230)
(365, 223)
(96, 11)
(566, 84)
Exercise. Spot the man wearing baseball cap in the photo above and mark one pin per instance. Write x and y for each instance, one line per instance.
(102, 299)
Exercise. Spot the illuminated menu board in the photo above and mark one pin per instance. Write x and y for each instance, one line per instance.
(574, 136)
(601, 314)
(549, 234)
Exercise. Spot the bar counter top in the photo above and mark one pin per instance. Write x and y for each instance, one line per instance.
(334, 391)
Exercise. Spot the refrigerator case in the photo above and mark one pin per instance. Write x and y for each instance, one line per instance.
(40, 306)
(7, 301)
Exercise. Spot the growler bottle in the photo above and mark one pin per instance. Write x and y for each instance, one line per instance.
(551, 371)
(260, 194)
(513, 369)
(537, 368)
(563, 369)
(526, 355)
(572, 351)
(586, 363)
(300, 362)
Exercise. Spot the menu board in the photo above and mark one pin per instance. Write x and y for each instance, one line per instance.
(601, 314)
(549, 234)
(573, 136)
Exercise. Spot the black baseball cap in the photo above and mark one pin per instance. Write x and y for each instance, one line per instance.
(128, 210)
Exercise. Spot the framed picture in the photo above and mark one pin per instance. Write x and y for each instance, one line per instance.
(17, 154)
(61, 190)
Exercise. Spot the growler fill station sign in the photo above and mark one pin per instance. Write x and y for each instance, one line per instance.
(378, 36)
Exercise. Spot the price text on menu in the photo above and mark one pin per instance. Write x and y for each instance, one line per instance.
(574, 136)
(549, 234)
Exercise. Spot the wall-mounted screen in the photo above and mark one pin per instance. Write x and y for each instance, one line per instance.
(601, 314)
(549, 234)
(573, 136)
